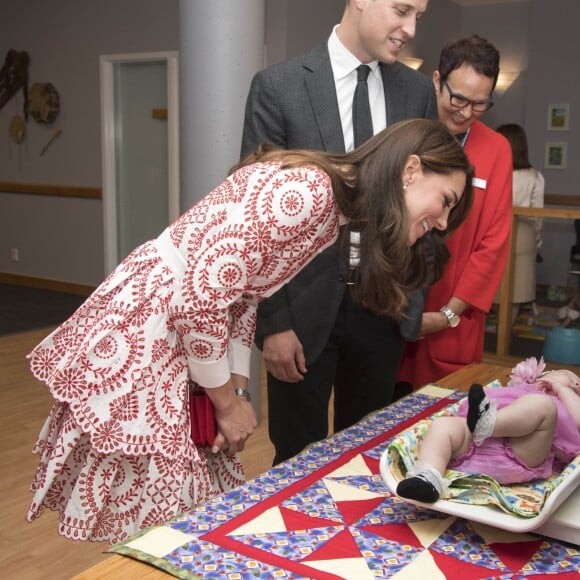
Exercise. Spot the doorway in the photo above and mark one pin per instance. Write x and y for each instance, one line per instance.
(140, 149)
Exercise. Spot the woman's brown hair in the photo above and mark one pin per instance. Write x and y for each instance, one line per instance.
(368, 188)
(516, 135)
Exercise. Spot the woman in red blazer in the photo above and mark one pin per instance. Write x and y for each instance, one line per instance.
(453, 324)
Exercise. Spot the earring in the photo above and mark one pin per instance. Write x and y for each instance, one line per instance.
(405, 185)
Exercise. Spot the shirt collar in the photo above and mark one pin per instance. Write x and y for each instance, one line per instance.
(343, 62)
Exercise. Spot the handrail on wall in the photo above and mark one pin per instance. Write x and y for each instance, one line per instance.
(51, 190)
(504, 320)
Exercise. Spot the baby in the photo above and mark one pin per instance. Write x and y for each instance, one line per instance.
(513, 434)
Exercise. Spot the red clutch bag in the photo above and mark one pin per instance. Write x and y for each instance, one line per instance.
(202, 417)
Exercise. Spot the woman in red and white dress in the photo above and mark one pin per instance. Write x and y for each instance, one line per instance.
(116, 452)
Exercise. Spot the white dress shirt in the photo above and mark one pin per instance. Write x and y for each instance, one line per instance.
(344, 65)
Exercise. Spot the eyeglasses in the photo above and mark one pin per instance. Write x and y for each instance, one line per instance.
(459, 101)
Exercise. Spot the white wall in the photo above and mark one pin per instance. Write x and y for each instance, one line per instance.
(58, 238)
(61, 238)
(510, 34)
(553, 78)
(440, 24)
(65, 38)
(292, 27)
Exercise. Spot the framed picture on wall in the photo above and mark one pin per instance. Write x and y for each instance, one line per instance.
(558, 116)
(555, 155)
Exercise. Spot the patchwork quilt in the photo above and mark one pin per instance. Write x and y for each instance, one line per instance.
(327, 514)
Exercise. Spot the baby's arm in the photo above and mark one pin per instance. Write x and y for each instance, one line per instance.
(570, 398)
(566, 386)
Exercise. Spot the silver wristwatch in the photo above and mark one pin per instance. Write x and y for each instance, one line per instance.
(453, 319)
(241, 392)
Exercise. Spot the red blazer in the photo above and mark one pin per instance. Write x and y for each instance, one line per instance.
(479, 250)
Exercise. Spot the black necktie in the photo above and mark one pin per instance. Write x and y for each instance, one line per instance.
(362, 124)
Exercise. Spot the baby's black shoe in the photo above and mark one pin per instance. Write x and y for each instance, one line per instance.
(418, 488)
(475, 398)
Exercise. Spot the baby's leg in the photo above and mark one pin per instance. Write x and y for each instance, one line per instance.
(529, 422)
(447, 437)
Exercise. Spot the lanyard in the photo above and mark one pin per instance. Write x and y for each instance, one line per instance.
(464, 138)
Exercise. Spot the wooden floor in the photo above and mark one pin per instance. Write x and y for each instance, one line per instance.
(34, 551)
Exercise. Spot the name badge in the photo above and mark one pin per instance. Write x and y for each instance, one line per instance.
(478, 182)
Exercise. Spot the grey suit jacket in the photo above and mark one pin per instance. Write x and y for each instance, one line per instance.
(294, 105)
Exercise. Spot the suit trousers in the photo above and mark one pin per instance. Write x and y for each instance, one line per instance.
(361, 361)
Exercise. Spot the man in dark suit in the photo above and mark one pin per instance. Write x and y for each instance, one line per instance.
(312, 335)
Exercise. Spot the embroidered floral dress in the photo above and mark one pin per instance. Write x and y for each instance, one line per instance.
(115, 452)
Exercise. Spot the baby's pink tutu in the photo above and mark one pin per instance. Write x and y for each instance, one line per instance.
(495, 457)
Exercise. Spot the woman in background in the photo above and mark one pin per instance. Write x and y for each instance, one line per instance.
(453, 322)
(528, 191)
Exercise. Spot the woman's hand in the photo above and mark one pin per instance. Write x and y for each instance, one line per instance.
(437, 321)
(235, 425)
(235, 416)
(433, 322)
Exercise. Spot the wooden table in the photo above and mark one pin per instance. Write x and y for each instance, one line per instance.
(123, 567)
(475, 373)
